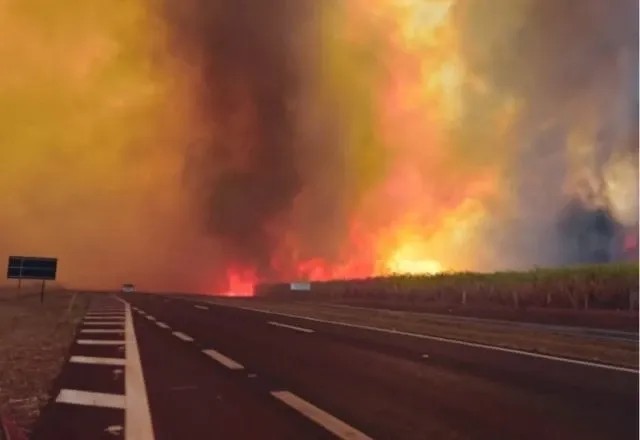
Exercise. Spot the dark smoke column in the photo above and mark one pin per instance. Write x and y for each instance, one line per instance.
(244, 172)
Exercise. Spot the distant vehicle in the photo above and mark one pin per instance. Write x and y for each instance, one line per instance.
(128, 288)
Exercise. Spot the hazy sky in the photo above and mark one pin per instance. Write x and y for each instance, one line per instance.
(184, 145)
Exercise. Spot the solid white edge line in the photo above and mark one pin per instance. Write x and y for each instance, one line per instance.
(291, 327)
(332, 424)
(183, 336)
(224, 360)
(96, 360)
(88, 398)
(442, 339)
(201, 307)
(99, 342)
(137, 414)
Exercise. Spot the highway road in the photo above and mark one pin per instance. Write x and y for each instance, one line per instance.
(506, 325)
(171, 368)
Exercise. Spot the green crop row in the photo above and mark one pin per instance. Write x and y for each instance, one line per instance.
(607, 286)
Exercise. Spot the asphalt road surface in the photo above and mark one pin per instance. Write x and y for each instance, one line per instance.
(175, 369)
(507, 325)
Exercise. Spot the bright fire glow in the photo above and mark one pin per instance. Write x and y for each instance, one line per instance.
(421, 100)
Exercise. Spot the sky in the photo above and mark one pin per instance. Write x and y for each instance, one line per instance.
(205, 145)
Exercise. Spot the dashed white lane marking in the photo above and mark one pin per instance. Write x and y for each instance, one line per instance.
(182, 336)
(201, 307)
(291, 327)
(161, 324)
(101, 330)
(332, 424)
(425, 356)
(151, 318)
(137, 414)
(224, 360)
(97, 360)
(120, 323)
(88, 398)
(441, 339)
(99, 342)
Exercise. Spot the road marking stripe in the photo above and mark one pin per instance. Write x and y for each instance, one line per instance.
(161, 324)
(322, 418)
(99, 342)
(103, 323)
(88, 398)
(104, 318)
(201, 307)
(137, 416)
(182, 336)
(118, 312)
(96, 360)
(292, 327)
(227, 362)
(151, 318)
(101, 330)
(104, 315)
(441, 339)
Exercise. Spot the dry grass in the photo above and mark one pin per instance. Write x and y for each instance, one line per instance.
(34, 342)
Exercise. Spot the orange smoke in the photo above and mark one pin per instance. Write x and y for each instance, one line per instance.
(178, 149)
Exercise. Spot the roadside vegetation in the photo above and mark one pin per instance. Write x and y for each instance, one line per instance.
(602, 287)
(34, 343)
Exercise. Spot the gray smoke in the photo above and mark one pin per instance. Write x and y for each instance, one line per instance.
(244, 171)
(574, 65)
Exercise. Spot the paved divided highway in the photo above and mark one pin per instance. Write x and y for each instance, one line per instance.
(167, 368)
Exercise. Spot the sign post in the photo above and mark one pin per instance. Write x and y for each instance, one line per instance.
(32, 268)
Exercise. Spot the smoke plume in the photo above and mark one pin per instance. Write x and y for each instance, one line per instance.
(205, 145)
